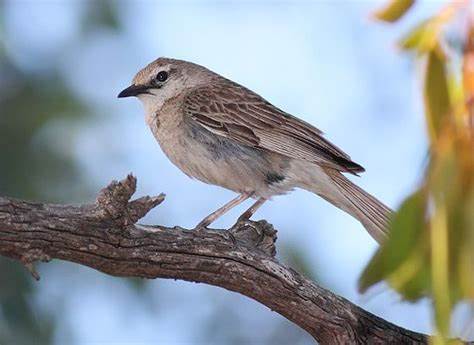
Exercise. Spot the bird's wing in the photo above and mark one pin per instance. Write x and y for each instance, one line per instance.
(232, 111)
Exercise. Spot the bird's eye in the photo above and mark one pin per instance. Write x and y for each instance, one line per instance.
(162, 76)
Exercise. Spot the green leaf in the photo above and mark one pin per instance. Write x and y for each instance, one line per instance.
(394, 10)
(451, 182)
(436, 93)
(406, 228)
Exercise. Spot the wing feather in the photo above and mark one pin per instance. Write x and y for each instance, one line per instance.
(232, 111)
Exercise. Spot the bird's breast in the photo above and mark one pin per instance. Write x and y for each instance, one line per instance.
(214, 159)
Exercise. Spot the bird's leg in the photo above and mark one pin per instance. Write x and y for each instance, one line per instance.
(216, 214)
(250, 212)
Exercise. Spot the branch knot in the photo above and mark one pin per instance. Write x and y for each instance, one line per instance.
(260, 235)
(30, 257)
(114, 202)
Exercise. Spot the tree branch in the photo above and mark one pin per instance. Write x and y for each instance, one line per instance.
(104, 236)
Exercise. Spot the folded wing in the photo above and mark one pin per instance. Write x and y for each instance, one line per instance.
(232, 111)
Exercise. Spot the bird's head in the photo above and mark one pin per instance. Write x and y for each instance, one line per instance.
(164, 79)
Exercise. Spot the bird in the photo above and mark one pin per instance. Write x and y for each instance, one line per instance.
(222, 133)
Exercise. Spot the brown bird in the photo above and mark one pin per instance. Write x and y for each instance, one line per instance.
(221, 133)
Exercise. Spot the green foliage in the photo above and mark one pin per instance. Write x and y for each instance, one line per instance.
(33, 167)
(29, 103)
(403, 268)
(19, 322)
(430, 251)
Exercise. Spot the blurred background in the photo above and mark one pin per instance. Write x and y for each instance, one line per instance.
(64, 135)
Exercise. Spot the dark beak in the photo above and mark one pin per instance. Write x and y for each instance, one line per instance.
(133, 90)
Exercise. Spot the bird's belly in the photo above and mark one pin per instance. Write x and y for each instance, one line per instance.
(224, 162)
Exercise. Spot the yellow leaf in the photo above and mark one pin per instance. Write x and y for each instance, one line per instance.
(467, 264)
(394, 10)
(440, 270)
(422, 38)
(427, 35)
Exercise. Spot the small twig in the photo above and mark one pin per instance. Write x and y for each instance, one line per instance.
(29, 258)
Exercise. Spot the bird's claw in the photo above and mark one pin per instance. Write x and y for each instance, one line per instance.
(202, 226)
(243, 218)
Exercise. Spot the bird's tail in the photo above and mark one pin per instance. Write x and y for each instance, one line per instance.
(372, 213)
(349, 197)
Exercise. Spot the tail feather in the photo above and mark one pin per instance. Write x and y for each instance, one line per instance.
(373, 214)
(337, 189)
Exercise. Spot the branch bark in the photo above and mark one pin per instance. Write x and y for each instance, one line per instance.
(105, 236)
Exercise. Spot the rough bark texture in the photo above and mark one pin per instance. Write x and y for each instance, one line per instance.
(104, 236)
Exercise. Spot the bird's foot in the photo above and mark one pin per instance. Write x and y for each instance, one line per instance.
(244, 217)
(202, 226)
(259, 234)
